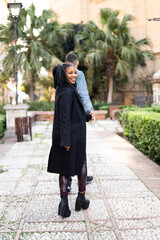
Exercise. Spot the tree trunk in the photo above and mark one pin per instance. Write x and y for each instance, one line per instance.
(31, 90)
(110, 91)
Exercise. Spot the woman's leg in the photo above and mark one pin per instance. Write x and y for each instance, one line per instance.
(82, 178)
(63, 209)
(81, 202)
(63, 185)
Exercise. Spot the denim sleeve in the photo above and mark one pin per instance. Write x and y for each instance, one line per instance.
(83, 92)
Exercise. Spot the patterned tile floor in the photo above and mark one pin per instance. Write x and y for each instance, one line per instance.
(124, 195)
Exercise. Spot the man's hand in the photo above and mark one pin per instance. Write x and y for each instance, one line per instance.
(67, 148)
(93, 116)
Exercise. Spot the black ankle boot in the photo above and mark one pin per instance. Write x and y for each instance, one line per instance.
(63, 209)
(81, 202)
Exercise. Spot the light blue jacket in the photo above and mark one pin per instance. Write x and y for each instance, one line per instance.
(83, 92)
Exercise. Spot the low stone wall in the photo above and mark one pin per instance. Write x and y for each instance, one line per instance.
(48, 115)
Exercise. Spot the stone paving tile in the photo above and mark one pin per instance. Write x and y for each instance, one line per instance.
(24, 187)
(31, 172)
(14, 162)
(145, 234)
(46, 176)
(121, 188)
(138, 223)
(7, 236)
(114, 171)
(15, 211)
(6, 188)
(15, 173)
(54, 226)
(92, 188)
(54, 236)
(108, 235)
(36, 160)
(135, 207)
(46, 187)
(2, 207)
(97, 210)
(20, 150)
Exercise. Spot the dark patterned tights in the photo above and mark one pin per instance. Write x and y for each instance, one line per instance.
(64, 181)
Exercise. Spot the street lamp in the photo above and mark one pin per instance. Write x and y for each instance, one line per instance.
(15, 10)
(153, 19)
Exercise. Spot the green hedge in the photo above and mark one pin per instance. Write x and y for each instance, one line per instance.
(143, 130)
(2, 111)
(2, 124)
(41, 106)
(97, 104)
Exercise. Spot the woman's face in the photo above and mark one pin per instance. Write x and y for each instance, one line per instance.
(71, 73)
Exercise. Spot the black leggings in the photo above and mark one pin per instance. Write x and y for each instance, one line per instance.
(64, 181)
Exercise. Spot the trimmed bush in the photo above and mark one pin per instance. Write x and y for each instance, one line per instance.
(155, 109)
(41, 106)
(2, 111)
(143, 130)
(97, 104)
(2, 125)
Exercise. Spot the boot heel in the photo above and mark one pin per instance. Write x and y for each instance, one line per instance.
(81, 202)
(61, 210)
(78, 206)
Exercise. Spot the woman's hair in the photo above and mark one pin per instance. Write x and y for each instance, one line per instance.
(59, 74)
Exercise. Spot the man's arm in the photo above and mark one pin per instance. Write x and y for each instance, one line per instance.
(83, 92)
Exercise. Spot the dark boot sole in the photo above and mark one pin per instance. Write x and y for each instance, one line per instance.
(80, 204)
(63, 210)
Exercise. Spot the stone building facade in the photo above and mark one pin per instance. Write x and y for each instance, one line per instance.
(78, 11)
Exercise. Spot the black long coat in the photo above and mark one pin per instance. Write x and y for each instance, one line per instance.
(69, 129)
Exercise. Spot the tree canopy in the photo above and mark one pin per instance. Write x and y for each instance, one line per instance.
(111, 52)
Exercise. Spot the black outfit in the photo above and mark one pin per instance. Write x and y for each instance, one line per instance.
(69, 129)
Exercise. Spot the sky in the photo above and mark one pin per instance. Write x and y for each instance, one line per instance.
(39, 4)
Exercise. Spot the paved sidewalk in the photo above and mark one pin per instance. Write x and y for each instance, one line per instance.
(125, 193)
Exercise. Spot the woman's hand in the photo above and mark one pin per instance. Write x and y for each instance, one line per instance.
(67, 148)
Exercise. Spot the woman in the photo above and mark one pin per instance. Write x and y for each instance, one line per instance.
(68, 151)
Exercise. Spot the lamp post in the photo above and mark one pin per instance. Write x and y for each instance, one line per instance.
(15, 9)
(153, 19)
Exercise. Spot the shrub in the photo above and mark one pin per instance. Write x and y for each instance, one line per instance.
(41, 106)
(143, 130)
(2, 124)
(97, 104)
(155, 109)
(2, 111)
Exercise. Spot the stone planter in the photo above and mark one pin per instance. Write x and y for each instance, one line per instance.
(13, 111)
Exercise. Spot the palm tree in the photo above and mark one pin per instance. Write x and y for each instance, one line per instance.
(112, 50)
(33, 54)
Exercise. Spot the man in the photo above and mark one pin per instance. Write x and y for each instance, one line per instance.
(83, 92)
